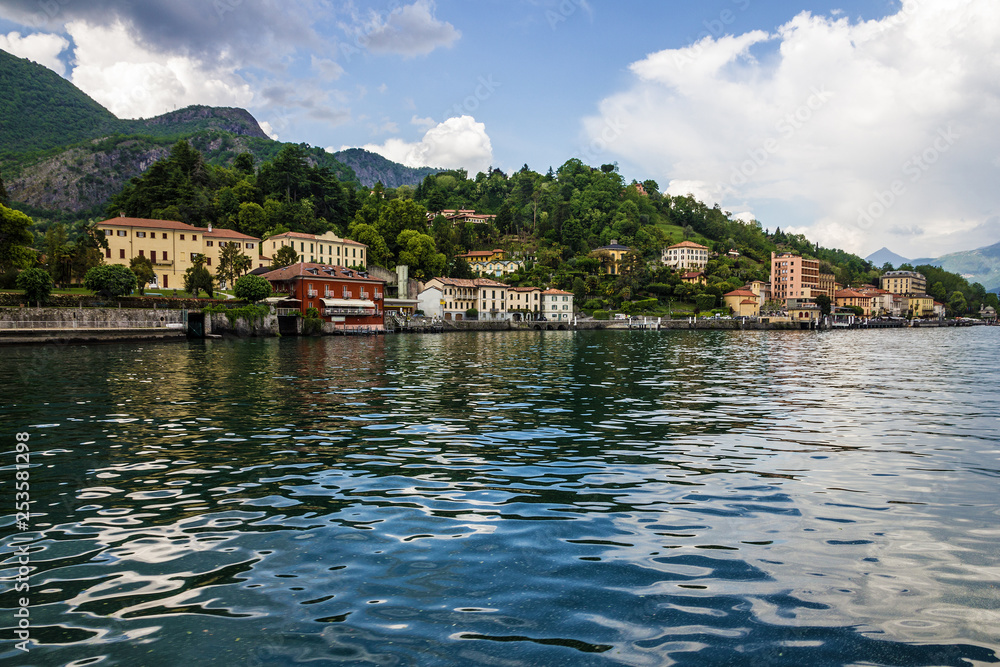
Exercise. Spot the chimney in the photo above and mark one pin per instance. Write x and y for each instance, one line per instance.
(210, 228)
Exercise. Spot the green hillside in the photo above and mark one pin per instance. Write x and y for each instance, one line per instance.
(40, 110)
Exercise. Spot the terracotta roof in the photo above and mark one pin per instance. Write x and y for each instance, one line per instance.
(740, 292)
(524, 289)
(693, 274)
(688, 244)
(749, 302)
(296, 235)
(479, 253)
(301, 270)
(228, 234)
(556, 291)
(151, 224)
(850, 294)
(465, 282)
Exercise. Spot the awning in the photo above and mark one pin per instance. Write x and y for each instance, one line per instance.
(348, 303)
(279, 299)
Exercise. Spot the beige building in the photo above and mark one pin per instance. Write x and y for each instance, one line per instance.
(488, 297)
(557, 305)
(919, 305)
(906, 283)
(325, 248)
(525, 300)
(851, 297)
(685, 255)
(171, 246)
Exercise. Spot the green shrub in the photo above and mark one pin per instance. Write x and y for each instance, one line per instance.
(36, 283)
(602, 315)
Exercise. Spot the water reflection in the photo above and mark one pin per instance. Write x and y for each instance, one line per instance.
(556, 498)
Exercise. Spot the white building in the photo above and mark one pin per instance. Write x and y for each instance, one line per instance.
(431, 301)
(685, 255)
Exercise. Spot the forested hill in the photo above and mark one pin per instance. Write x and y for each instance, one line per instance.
(40, 110)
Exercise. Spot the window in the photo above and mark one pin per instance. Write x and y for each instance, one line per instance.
(208, 261)
(141, 253)
(250, 246)
(194, 237)
(164, 235)
(209, 243)
(182, 237)
(140, 235)
(107, 232)
(107, 253)
(152, 256)
(122, 232)
(121, 253)
(164, 255)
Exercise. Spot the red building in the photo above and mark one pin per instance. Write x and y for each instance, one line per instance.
(346, 297)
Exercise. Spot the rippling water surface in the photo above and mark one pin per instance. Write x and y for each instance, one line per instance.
(561, 498)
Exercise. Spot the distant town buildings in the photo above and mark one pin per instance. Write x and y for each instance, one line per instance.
(491, 262)
(462, 216)
(451, 299)
(611, 256)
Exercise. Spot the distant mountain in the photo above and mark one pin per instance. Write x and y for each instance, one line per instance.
(977, 266)
(883, 255)
(372, 168)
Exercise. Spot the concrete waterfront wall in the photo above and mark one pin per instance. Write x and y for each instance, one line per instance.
(95, 318)
(219, 324)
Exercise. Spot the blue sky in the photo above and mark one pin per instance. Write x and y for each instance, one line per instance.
(861, 123)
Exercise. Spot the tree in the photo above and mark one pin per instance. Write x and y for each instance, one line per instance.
(704, 302)
(823, 301)
(252, 219)
(232, 263)
(957, 303)
(110, 280)
(197, 278)
(36, 283)
(378, 251)
(4, 198)
(461, 269)
(419, 253)
(58, 254)
(15, 240)
(252, 288)
(143, 270)
(285, 256)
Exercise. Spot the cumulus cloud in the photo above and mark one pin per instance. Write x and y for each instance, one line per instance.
(855, 133)
(42, 48)
(133, 82)
(410, 31)
(457, 143)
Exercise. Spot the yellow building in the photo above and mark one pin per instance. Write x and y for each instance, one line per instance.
(171, 246)
(851, 297)
(611, 256)
(919, 305)
(907, 283)
(327, 248)
(742, 302)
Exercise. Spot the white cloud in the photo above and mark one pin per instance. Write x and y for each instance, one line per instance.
(268, 129)
(42, 48)
(457, 143)
(818, 124)
(328, 69)
(410, 31)
(134, 82)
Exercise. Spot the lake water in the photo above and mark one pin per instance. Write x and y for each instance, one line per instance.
(556, 498)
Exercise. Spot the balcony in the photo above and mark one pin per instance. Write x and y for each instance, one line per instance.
(163, 262)
(312, 293)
